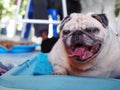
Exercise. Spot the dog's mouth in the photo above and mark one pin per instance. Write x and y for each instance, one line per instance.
(84, 53)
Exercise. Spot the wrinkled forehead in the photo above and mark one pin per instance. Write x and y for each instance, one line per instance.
(80, 21)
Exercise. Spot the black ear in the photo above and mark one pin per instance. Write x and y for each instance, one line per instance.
(66, 19)
(101, 18)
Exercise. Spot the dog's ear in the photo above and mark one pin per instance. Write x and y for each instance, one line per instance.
(101, 18)
(66, 19)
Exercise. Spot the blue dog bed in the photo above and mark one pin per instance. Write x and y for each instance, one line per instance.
(35, 74)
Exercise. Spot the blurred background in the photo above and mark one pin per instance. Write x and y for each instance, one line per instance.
(15, 16)
(38, 21)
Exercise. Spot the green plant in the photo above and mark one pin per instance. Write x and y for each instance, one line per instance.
(117, 7)
(1, 8)
(7, 7)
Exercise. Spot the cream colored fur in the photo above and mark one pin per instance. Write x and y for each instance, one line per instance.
(106, 64)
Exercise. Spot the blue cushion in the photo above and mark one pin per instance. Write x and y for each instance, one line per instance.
(43, 66)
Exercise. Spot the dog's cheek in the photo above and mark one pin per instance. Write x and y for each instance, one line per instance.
(102, 34)
(87, 40)
(68, 41)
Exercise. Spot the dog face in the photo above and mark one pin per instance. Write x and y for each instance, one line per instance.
(83, 35)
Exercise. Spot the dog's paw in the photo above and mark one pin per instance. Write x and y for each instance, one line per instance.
(59, 73)
(59, 70)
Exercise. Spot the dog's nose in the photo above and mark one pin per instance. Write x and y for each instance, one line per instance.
(77, 35)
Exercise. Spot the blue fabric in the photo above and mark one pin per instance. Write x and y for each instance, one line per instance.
(43, 66)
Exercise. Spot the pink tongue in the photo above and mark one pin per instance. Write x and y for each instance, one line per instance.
(81, 52)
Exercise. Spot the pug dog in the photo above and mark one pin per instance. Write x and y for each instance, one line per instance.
(86, 47)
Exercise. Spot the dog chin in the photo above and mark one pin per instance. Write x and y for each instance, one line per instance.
(83, 53)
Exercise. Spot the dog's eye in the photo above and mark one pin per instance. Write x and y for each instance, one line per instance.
(95, 30)
(65, 32)
(92, 30)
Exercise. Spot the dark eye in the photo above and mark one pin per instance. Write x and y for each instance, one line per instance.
(92, 30)
(65, 32)
(95, 30)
